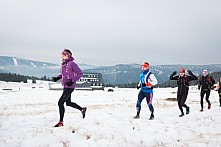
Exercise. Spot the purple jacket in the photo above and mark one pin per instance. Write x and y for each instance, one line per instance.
(70, 72)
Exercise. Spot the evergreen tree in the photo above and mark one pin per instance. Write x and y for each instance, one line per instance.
(33, 81)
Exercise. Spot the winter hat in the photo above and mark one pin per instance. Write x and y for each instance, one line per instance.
(146, 64)
(182, 70)
(66, 52)
(205, 72)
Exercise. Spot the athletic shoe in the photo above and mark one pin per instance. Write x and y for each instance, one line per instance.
(151, 117)
(209, 106)
(187, 110)
(83, 111)
(136, 117)
(181, 115)
(59, 124)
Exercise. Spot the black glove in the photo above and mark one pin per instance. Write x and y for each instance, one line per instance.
(212, 87)
(143, 84)
(174, 73)
(138, 87)
(69, 83)
(199, 87)
(189, 72)
(55, 79)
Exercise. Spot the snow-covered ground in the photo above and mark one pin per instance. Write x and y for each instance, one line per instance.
(28, 112)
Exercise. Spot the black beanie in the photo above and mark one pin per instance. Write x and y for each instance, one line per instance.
(67, 50)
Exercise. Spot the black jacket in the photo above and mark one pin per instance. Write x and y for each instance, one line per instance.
(183, 83)
(206, 82)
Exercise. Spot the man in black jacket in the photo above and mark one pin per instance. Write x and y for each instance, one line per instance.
(205, 84)
(183, 88)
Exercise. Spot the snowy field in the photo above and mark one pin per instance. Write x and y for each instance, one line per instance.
(28, 113)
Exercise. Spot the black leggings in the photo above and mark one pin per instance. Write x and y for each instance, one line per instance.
(220, 100)
(66, 97)
(181, 99)
(219, 92)
(203, 92)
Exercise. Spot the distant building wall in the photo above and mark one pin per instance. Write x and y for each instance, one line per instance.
(89, 81)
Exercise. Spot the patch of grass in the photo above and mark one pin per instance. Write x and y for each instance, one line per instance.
(73, 129)
(88, 136)
(171, 99)
(65, 143)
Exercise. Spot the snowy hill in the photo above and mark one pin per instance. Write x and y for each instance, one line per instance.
(27, 116)
(3, 71)
(27, 67)
(15, 61)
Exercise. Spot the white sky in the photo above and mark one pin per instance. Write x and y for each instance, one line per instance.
(109, 32)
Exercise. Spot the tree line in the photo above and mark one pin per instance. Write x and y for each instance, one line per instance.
(12, 77)
(169, 83)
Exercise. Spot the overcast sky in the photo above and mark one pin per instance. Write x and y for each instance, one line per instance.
(109, 32)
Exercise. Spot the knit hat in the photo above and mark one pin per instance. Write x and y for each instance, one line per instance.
(182, 70)
(205, 72)
(146, 64)
(66, 52)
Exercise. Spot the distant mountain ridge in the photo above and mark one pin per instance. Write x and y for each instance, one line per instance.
(31, 68)
(122, 74)
(15, 61)
(117, 74)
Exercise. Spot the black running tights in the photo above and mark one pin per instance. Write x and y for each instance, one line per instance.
(66, 97)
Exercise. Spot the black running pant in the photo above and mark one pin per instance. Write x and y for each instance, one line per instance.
(220, 100)
(203, 92)
(219, 92)
(66, 97)
(181, 99)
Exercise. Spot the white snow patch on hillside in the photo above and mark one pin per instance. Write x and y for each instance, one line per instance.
(33, 64)
(15, 60)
